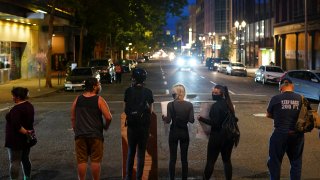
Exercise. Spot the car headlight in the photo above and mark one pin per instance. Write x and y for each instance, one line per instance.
(215, 64)
(181, 62)
(193, 62)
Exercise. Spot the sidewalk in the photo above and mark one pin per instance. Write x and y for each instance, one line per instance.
(251, 72)
(32, 84)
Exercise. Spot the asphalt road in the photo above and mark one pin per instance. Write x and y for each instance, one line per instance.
(53, 157)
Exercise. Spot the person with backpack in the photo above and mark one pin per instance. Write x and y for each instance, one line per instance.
(180, 112)
(219, 140)
(284, 109)
(138, 106)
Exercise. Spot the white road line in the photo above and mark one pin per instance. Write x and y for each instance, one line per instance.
(165, 83)
(202, 77)
(163, 77)
(232, 92)
(212, 82)
(167, 91)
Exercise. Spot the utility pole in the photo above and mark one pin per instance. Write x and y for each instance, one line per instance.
(306, 63)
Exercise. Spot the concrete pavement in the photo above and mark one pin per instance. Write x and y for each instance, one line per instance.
(36, 88)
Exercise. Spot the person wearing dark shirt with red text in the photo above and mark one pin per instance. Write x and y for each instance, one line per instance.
(284, 110)
(19, 124)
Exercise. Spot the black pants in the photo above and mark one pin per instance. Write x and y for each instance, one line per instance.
(137, 140)
(118, 77)
(177, 136)
(218, 143)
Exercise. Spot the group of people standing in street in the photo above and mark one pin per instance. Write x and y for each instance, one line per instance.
(90, 116)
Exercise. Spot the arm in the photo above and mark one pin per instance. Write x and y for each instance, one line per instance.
(103, 106)
(168, 118)
(204, 120)
(73, 113)
(269, 115)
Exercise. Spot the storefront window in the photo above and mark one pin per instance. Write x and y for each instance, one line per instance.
(4, 54)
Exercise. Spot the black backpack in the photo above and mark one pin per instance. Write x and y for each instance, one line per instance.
(136, 108)
(230, 126)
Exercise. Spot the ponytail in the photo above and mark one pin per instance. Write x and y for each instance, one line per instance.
(228, 99)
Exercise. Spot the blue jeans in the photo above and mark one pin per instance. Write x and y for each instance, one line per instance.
(281, 143)
(17, 158)
(137, 139)
(177, 136)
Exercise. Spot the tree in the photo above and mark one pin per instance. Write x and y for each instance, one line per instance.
(226, 46)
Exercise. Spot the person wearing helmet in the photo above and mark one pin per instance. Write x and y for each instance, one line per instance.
(138, 106)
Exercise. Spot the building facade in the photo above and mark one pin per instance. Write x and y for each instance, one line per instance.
(297, 34)
(24, 40)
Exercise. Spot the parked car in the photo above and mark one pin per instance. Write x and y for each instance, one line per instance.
(236, 68)
(268, 74)
(222, 66)
(141, 60)
(214, 62)
(105, 68)
(186, 62)
(208, 61)
(76, 78)
(306, 82)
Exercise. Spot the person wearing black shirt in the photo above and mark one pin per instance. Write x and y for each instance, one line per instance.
(19, 124)
(218, 140)
(180, 112)
(137, 131)
(284, 109)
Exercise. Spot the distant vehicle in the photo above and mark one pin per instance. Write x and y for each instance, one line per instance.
(214, 62)
(141, 60)
(186, 62)
(222, 66)
(76, 78)
(236, 68)
(105, 68)
(268, 74)
(306, 82)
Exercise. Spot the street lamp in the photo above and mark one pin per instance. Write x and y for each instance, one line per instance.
(202, 39)
(213, 43)
(240, 31)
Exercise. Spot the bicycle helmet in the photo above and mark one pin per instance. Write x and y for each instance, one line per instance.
(139, 75)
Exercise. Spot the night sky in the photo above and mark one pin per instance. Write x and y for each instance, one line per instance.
(171, 21)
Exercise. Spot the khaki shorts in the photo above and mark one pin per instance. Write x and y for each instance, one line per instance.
(89, 147)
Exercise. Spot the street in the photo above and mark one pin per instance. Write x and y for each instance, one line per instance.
(53, 157)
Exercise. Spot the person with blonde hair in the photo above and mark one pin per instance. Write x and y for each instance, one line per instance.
(179, 113)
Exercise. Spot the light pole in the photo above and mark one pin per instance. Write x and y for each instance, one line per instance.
(202, 40)
(240, 31)
(213, 43)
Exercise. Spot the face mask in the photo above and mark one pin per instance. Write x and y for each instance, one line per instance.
(174, 95)
(216, 97)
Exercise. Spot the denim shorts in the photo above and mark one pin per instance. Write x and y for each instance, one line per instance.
(89, 147)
